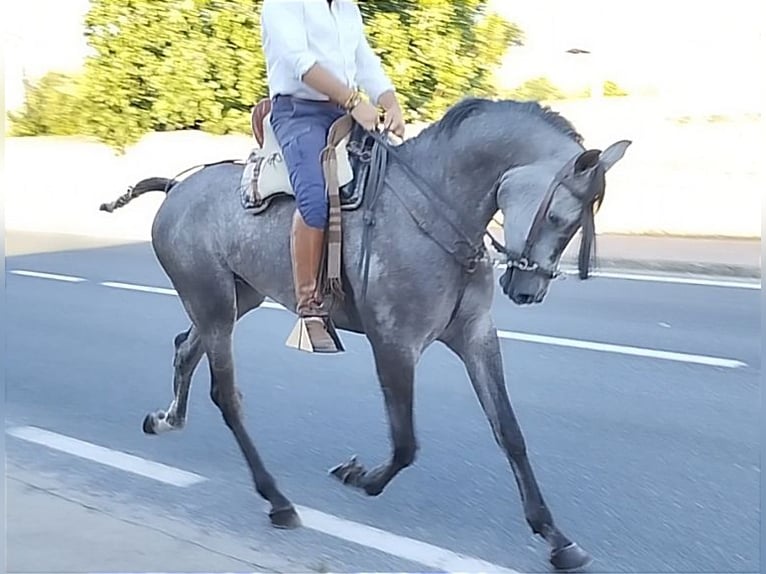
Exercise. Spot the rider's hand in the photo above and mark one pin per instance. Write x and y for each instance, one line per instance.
(394, 121)
(366, 115)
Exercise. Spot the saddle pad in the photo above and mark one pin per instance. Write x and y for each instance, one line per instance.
(265, 174)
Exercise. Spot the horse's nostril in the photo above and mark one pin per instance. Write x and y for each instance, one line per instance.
(523, 299)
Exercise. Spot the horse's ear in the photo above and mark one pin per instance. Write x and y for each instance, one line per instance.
(587, 160)
(614, 153)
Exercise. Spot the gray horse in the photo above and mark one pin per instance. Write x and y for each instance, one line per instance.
(427, 277)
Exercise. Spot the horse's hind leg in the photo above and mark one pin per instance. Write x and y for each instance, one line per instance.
(188, 353)
(396, 372)
(211, 304)
(475, 341)
(187, 356)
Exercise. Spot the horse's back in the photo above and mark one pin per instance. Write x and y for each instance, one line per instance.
(202, 225)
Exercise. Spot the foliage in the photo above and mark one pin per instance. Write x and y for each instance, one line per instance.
(611, 89)
(172, 64)
(52, 106)
(542, 89)
(198, 64)
(437, 51)
(536, 89)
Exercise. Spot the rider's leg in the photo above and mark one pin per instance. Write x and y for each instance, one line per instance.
(301, 128)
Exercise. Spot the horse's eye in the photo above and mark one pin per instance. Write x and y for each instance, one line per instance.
(555, 220)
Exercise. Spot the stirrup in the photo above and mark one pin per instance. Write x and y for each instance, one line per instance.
(315, 335)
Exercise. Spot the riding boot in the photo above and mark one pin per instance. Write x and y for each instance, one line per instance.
(314, 331)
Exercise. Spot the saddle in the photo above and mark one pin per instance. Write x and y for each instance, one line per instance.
(350, 161)
(266, 178)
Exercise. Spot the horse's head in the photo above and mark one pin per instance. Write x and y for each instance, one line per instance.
(543, 206)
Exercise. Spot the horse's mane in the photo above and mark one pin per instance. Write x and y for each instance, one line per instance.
(469, 107)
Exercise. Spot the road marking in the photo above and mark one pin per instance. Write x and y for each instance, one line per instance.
(141, 288)
(681, 280)
(116, 459)
(166, 291)
(623, 349)
(53, 276)
(690, 280)
(395, 545)
(355, 532)
(525, 337)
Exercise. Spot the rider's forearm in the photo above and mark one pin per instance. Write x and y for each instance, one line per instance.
(326, 83)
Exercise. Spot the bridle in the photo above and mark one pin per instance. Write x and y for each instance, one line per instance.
(522, 261)
(466, 251)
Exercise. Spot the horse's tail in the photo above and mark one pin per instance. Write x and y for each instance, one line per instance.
(144, 186)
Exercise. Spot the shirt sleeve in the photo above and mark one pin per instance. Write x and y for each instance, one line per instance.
(283, 23)
(370, 74)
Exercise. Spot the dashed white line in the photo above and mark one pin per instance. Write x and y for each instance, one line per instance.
(52, 276)
(167, 291)
(510, 335)
(395, 545)
(623, 350)
(141, 288)
(107, 456)
(753, 284)
(362, 534)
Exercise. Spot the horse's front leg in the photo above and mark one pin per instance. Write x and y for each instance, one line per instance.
(475, 341)
(396, 369)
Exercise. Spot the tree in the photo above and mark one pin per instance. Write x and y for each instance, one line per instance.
(536, 89)
(171, 65)
(197, 64)
(52, 106)
(437, 51)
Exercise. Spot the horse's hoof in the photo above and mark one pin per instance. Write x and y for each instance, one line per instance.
(148, 425)
(286, 519)
(570, 558)
(348, 472)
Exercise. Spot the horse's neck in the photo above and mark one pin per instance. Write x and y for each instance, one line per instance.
(465, 168)
(433, 179)
(476, 159)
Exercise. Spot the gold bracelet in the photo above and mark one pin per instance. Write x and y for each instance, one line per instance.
(353, 100)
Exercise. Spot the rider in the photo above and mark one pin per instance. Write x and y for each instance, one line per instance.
(316, 55)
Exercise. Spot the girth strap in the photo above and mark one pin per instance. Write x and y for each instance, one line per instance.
(375, 184)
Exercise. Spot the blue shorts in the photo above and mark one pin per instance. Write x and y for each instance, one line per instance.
(301, 127)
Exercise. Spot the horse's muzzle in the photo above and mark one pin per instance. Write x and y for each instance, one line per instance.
(523, 288)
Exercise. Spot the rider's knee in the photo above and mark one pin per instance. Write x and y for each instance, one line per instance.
(314, 213)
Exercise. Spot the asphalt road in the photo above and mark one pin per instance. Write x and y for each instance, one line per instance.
(651, 465)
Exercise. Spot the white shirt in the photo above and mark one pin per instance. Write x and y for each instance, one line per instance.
(300, 33)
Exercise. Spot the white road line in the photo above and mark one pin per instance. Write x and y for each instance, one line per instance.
(141, 288)
(166, 291)
(526, 337)
(395, 545)
(676, 279)
(106, 456)
(681, 280)
(53, 276)
(357, 533)
(623, 350)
